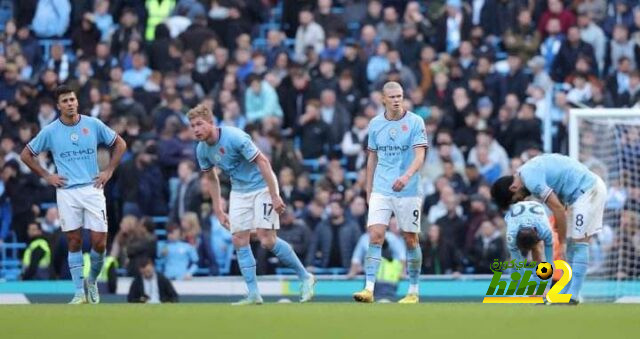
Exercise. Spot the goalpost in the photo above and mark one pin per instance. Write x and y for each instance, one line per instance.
(608, 142)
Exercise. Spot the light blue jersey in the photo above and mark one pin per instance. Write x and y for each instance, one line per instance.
(565, 176)
(394, 141)
(181, 259)
(74, 148)
(233, 154)
(526, 214)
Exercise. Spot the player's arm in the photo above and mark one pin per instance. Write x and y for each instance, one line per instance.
(119, 147)
(29, 159)
(214, 192)
(372, 162)
(418, 159)
(270, 178)
(558, 210)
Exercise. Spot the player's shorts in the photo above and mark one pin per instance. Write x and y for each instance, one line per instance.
(408, 211)
(251, 210)
(586, 213)
(82, 207)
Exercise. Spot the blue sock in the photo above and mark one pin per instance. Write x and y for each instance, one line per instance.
(288, 257)
(579, 263)
(97, 259)
(76, 266)
(371, 265)
(569, 258)
(414, 264)
(247, 264)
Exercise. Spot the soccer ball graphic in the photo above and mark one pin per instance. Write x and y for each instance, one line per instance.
(544, 270)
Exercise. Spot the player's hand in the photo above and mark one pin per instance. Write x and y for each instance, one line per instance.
(400, 183)
(278, 204)
(56, 180)
(224, 220)
(102, 178)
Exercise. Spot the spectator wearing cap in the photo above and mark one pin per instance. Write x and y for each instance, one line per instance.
(309, 34)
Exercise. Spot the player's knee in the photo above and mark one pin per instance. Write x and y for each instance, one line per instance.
(376, 236)
(411, 239)
(98, 246)
(239, 240)
(75, 244)
(267, 241)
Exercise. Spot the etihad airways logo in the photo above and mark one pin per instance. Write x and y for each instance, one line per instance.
(393, 148)
(80, 153)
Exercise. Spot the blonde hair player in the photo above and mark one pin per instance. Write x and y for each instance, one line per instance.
(254, 201)
(397, 149)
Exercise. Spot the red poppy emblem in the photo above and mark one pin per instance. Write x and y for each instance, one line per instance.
(85, 131)
(405, 128)
(221, 150)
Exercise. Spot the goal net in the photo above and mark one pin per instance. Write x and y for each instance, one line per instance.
(608, 142)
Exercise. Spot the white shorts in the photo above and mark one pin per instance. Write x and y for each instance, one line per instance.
(248, 211)
(586, 213)
(408, 211)
(82, 207)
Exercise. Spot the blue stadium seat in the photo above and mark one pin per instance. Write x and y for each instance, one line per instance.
(10, 263)
(6, 12)
(47, 43)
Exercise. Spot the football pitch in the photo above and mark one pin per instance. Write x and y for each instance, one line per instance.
(318, 320)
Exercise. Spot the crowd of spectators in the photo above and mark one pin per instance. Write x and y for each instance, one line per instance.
(493, 79)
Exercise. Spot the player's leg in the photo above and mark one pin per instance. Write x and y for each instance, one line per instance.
(95, 217)
(379, 214)
(408, 212)
(71, 224)
(585, 220)
(241, 219)
(284, 252)
(267, 223)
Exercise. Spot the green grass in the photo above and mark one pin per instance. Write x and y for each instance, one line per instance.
(319, 320)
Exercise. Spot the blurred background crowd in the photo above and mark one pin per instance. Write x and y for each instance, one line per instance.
(493, 79)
